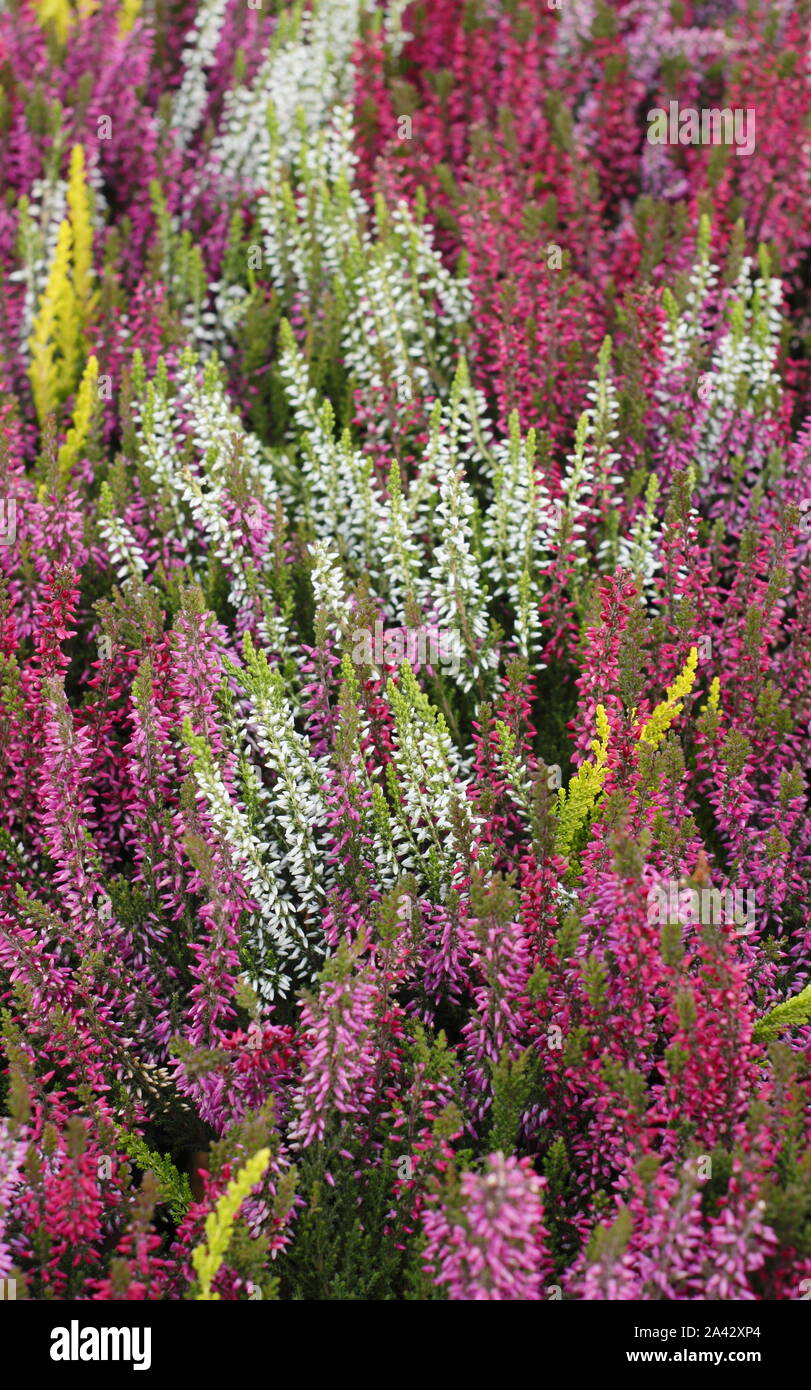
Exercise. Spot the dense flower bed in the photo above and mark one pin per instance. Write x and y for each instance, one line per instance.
(405, 651)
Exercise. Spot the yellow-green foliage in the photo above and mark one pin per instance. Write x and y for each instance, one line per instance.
(58, 13)
(209, 1255)
(55, 306)
(82, 418)
(130, 10)
(57, 342)
(575, 805)
(660, 721)
(68, 341)
(81, 223)
(792, 1013)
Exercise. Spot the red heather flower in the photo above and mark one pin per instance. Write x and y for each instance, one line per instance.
(140, 1270)
(487, 1240)
(492, 796)
(216, 961)
(257, 1064)
(447, 945)
(710, 1066)
(55, 617)
(599, 679)
(62, 1215)
(65, 801)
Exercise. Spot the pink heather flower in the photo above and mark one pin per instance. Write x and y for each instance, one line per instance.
(445, 956)
(487, 1240)
(12, 1157)
(339, 1058)
(502, 962)
(661, 1246)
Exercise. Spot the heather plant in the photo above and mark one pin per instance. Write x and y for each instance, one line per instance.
(327, 967)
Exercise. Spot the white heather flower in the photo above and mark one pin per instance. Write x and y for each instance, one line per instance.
(515, 533)
(296, 811)
(125, 554)
(279, 946)
(428, 768)
(339, 499)
(306, 71)
(201, 412)
(743, 365)
(329, 589)
(637, 552)
(198, 55)
(686, 329)
(404, 557)
(589, 484)
(459, 598)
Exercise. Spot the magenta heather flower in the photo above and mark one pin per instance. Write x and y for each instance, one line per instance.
(339, 1059)
(663, 1246)
(485, 1240)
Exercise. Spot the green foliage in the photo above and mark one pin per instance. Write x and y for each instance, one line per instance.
(173, 1187)
(788, 1200)
(513, 1081)
(559, 1201)
(792, 1013)
(346, 1239)
(607, 1243)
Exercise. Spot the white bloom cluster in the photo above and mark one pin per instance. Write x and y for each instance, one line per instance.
(159, 448)
(388, 335)
(459, 598)
(517, 531)
(589, 483)
(637, 552)
(683, 331)
(311, 216)
(306, 71)
(743, 371)
(329, 589)
(338, 497)
(125, 553)
(198, 55)
(278, 945)
(295, 804)
(403, 554)
(195, 483)
(429, 782)
(315, 240)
